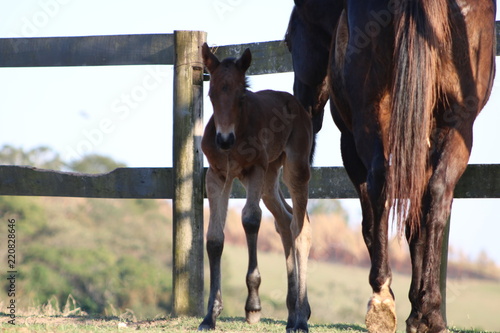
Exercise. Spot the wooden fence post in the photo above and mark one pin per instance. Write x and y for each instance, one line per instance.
(188, 174)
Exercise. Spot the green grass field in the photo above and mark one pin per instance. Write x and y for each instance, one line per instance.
(339, 293)
(113, 257)
(183, 324)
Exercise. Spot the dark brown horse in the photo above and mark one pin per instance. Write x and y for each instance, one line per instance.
(308, 38)
(408, 78)
(250, 137)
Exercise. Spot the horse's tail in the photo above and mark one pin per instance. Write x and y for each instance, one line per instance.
(420, 28)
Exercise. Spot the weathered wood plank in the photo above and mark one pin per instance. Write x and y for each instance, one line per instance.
(326, 182)
(87, 51)
(478, 181)
(146, 183)
(267, 57)
(151, 49)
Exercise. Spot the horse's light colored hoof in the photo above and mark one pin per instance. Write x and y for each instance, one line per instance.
(253, 317)
(381, 315)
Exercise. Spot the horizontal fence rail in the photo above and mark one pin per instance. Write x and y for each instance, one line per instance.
(151, 49)
(478, 181)
(155, 49)
(87, 51)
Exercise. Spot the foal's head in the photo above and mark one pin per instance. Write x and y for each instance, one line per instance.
(227, 92)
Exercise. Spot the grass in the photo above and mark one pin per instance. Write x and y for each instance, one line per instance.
(110, 255)
(339, 293)
(51, 318)
(182, 324)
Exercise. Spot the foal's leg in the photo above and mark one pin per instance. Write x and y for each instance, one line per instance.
(218, 196)
(283, 213)
(251, 217)
(296, 175)
(425, 248)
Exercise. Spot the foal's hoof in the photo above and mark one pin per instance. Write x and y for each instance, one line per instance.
(381, 315)
(253, 317)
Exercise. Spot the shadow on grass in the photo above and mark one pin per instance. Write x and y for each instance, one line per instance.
(268, 321)
(341, 327)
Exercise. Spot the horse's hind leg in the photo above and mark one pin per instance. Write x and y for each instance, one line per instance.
(218, 197)
(357, 174)
(381, 314)
(251, 217)
(381, 310)
(451, 155)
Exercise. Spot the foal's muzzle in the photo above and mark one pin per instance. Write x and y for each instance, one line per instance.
(225, 141)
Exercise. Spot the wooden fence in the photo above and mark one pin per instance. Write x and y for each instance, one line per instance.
(184, 182)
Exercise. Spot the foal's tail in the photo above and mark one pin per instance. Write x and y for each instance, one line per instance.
(422, 26)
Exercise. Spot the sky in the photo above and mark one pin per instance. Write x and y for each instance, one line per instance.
(110, 110)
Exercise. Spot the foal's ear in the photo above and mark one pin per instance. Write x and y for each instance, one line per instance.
(209, 59)
(244, 61)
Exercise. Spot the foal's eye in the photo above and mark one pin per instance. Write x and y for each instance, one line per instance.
(225, 88)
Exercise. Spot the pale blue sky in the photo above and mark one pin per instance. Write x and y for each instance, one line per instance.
(111, 111)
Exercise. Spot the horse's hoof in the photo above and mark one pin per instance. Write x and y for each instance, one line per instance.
(416, 326)
(302, 328)
(206, 325)
(412, 324)
(381, 315)
(253, 317)
(413, 329)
